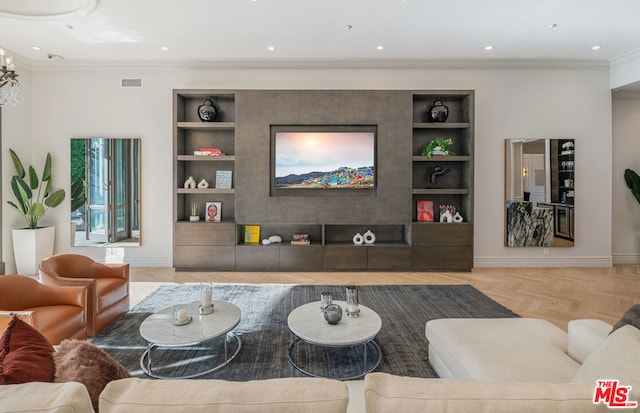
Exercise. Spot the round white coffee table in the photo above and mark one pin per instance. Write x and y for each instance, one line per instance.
(307, 324)
(159, 331)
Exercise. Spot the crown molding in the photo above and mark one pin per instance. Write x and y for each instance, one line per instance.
(398, 64)
(626, 58)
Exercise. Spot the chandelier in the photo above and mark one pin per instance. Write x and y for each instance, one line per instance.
(10, 90)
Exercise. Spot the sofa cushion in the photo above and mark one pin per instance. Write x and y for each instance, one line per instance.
(584, 336)
(501, 349)
(83, 362)
(25, 355)
(618, 357)
(45, 398)
(386, 393)
(211, 396)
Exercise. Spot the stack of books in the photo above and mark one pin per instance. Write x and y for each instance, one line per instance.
(300, 239)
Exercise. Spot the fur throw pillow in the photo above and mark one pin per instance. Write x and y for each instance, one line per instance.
(631, 316)
(83, 362)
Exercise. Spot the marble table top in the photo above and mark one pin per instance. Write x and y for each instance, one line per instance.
(159, 329)
(308, 323)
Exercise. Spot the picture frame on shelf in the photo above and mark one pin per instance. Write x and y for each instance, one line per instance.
(224, 179)
(213, 211)
(424, 210)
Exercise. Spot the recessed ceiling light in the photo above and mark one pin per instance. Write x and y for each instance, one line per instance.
(380, 47)
(164, 48)
(596, 47)
(489, 47)
(68, 26)
(349, 26)
(35, 47)
(271, 48)
(553, 25)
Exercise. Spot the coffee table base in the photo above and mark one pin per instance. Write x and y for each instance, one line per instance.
(146, 363)
(365, 370)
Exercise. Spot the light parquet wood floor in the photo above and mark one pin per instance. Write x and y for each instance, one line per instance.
(554, 294)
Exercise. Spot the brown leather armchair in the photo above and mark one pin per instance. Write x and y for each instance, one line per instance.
(56, 312)
(107, 286)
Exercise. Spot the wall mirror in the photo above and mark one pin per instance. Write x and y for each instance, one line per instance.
(105, 192)
(539, 192)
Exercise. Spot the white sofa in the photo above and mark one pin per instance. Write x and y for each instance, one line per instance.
(497, 366)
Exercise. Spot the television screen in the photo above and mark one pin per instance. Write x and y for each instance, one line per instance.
(324, 157)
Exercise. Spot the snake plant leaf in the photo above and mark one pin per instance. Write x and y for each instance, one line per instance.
(46, 173)
(633, 182)
(54, 199)
(17, 163)
(33, 178)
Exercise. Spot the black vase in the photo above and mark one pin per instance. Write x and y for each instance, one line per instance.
(437, 112)
(208, 111)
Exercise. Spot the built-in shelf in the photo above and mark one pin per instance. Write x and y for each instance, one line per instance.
(222, 158)
(205, 125)
(206, 191)
(443, 191)
(443, 125)
(441, 159)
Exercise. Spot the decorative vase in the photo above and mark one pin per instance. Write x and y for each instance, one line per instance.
(369, 237)
(30, 246)
(437, 112)
(194, 218)
(203, 184)
(208, 111)
(358, 239)
(332, 313)
(190, 183)
(446, 216)
(457, 218)
(352, 302)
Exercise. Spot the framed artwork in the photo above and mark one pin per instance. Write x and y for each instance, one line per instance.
(213, 212)
(425, 211)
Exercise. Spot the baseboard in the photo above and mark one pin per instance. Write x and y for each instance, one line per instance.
(516, 262)
(629, 258)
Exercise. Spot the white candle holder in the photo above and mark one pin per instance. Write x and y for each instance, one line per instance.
(206, 303)
(181, 315)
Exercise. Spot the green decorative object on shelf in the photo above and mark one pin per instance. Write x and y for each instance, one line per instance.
(438, 146)
(30, 204)
(633, 182)
(195, 215)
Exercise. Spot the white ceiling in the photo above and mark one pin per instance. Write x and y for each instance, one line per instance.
(133, 32)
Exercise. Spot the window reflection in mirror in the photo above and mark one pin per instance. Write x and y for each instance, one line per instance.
(105, 192)
(539, 192)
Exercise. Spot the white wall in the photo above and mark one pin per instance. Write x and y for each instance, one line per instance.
(555, 103)
(626, 152)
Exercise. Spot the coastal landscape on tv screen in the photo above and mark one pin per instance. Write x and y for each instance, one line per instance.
(324, 159)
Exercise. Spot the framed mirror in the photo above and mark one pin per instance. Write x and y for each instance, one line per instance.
(105, 192)
(539, 192)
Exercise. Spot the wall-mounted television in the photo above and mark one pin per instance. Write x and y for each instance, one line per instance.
(311, 159)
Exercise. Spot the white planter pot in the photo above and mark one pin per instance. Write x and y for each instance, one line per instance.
(30, 246)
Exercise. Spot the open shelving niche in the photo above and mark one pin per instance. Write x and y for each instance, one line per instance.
(439, 245)
(402, 246)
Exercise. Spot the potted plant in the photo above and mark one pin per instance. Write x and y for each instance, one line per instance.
(438, 146)
(33, 199)
(633, 182)
(195, 216)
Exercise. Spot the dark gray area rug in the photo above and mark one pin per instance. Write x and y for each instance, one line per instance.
(404, 310)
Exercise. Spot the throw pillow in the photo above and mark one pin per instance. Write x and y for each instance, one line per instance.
(25, 355)
(630, 317)
(618, 357)
(81, 361)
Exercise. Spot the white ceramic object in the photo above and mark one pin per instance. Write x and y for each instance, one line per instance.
(358, 239)
(203, 184)
(190, 183)
(275, 239)
(369, 237)
(266, 242)
(446, 217)
(194, 218)
(30, 246)
(458, 218)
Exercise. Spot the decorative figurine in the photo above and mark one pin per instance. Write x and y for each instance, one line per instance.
(358, 239)
(446, 216)
(208, 111)
(437, 171)
(203, 184)
(457, 218)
